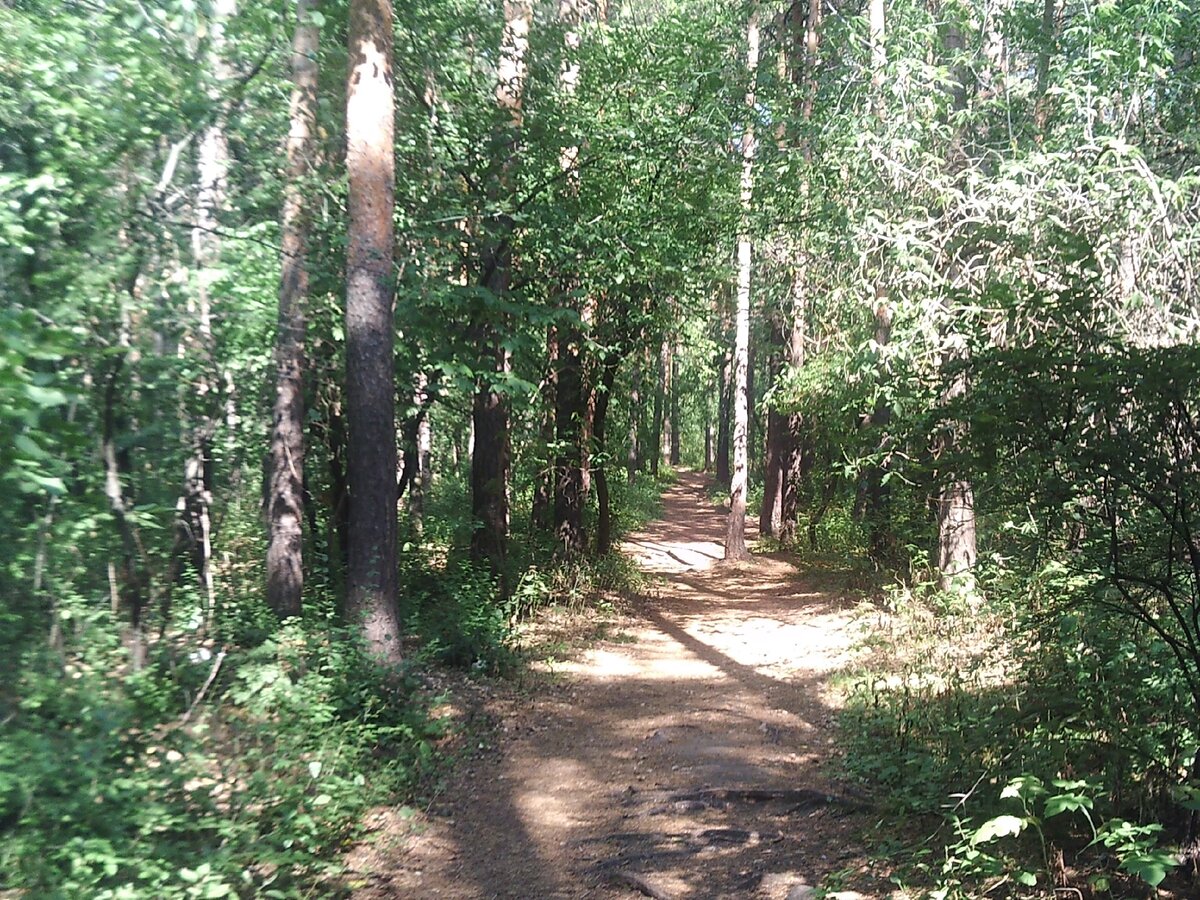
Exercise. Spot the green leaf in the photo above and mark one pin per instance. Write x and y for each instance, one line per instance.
(1061, 803)
(1150, 867)
(1001, 826)
(45, 397)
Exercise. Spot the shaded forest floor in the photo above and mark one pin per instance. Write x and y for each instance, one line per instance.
(684, 753)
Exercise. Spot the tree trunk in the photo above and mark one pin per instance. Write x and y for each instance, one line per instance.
(674, 416)
(792, 450)
(130, 591)
(656, 426)
(285, 493)
(954, 552)
(635, 412)
(878, 492)
(422, 480)
(774, 454)
(608, 375)
(212, 163)
(370, 379)
(724, 403)
(491, 453)
(568, 472)
(543, 491)
(666, 363)
(735, 535)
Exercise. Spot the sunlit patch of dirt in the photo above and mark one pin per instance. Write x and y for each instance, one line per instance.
(684, 752)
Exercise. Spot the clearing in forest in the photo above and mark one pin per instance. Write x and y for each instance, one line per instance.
(685, 755)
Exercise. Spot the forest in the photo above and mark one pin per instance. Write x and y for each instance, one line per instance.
(342, 342)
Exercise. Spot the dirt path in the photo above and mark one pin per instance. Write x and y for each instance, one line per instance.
(684, 756)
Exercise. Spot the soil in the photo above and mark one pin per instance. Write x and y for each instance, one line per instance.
(686, 754)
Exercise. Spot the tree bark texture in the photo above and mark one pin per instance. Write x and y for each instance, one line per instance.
(285, 491)
(491, 455)
(370, 379)
(792, 451)
(608, 375)
(569, 413)
(774, 455)
(656, 421)
(635, 416)
(194, 508)
(735, 535)
(543, 491)
(675, 448)
(724, 413)
(666, 363)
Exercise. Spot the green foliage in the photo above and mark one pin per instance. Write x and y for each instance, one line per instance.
(455, 612)
(116, 785)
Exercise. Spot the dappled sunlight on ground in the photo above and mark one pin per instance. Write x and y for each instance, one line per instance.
(685, 755)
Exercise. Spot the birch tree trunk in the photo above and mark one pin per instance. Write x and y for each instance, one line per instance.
(666, 361)
(285, 491)
(370, 378)
(675, 448)
(574, 411)
(735, 535)
(194, 507)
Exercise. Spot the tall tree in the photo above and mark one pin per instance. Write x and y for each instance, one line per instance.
(194, 507)
(370, 377)
(285, 490)
(735, 534)
(573, 401)
(954, 548)
(490, 415)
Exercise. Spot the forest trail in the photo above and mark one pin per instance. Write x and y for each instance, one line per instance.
(683, 756)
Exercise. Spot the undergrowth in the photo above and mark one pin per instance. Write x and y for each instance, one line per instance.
(1023, 749)
(240, 760)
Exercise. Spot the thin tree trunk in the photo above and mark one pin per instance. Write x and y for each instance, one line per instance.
(794, 451)
(422, 481)
(568, 421)
(666, 362)
(735, 535)
(490, 457)
(543, 492)
(656, 426)
(608, 375)
(774, 455)
(675, 451)
(491, 452)
(724, 398)
(212, 162)
(877, 491)
(370, 379)
(954, 549)
(285, 497)
(130, 590)
(635, 411)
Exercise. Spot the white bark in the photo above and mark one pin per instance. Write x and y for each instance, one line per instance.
(735, 538)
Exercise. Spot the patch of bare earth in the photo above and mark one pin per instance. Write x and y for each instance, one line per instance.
(683, 756)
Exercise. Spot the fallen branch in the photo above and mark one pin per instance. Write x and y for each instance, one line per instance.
(212, 676)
